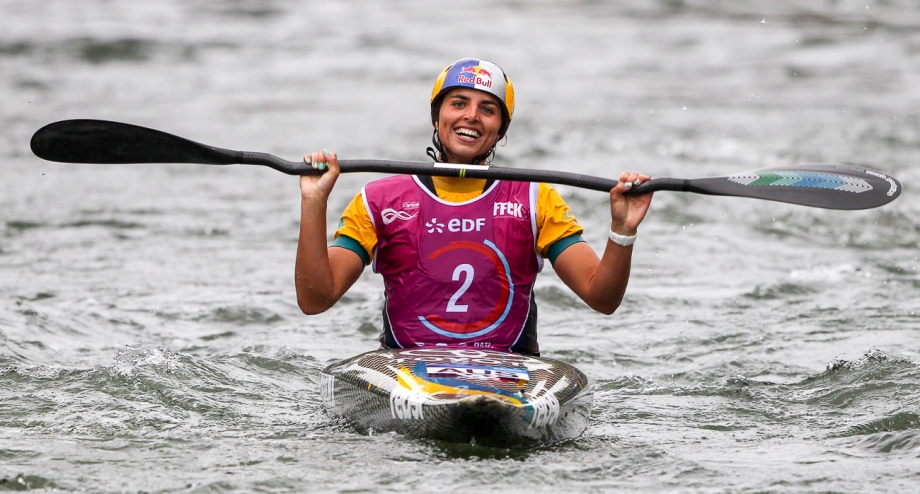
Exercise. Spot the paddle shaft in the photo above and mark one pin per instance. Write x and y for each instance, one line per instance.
(817, 185)
(447, 170)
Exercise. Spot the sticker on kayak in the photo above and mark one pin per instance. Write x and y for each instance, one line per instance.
(460, 394)
(476, 372)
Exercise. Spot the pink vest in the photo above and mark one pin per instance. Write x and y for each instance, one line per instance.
(455, 274)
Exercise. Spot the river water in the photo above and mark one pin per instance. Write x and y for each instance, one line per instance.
(149, 335)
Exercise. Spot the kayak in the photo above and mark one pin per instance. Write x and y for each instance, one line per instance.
(477, 396)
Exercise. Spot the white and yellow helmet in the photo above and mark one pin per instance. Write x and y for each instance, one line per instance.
(478, 74)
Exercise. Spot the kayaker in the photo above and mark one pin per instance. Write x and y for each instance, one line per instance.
(459, 256)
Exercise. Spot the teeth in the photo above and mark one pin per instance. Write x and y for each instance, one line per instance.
(468, 132)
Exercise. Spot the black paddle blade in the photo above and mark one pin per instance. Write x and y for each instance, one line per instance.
(828, 186)
(100, 141)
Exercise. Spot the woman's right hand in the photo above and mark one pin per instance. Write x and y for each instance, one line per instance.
(320, 186)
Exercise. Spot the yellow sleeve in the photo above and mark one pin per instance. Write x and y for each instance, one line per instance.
(356, 224)
(555, 220)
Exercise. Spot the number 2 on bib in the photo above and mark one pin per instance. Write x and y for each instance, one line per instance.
(467, 271)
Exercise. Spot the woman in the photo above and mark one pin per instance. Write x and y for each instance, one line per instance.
(459, 256)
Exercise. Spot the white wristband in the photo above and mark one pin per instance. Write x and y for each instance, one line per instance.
(622, 240)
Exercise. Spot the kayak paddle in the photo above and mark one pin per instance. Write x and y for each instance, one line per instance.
(817, 185)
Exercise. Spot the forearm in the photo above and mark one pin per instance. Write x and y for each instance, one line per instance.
(607, 286)
(313, 278)
(600, 283)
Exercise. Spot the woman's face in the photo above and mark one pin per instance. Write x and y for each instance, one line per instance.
(468, 123)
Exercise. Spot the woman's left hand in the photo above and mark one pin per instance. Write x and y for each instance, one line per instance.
(626, 212)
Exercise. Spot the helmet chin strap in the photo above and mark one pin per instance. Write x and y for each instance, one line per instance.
(437, 152)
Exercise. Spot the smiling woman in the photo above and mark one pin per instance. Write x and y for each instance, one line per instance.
(459, 256)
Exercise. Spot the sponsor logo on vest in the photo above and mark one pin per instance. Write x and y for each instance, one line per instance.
(456, 225)
(390, 215)
(466, 225)
(433, 226)
(515, 209)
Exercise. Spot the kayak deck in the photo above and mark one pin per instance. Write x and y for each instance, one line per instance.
(460, 395)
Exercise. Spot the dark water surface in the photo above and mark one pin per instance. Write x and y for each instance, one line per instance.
(149, 334)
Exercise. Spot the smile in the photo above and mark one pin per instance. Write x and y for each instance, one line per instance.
(468, 133)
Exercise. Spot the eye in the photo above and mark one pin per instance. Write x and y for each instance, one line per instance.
(488, 110)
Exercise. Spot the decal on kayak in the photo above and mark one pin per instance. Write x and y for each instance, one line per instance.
(473, 356)
(411, 392)
(406, 399)
(451, 382)
(475, 372)
(502, 307)
(545, 410)
(460, 394)
(802, 179)
(327, 389)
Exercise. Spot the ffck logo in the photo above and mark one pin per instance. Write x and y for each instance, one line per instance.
(515, 209)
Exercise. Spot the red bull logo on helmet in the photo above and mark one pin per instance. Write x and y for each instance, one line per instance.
(477, 74)
(480, 79)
